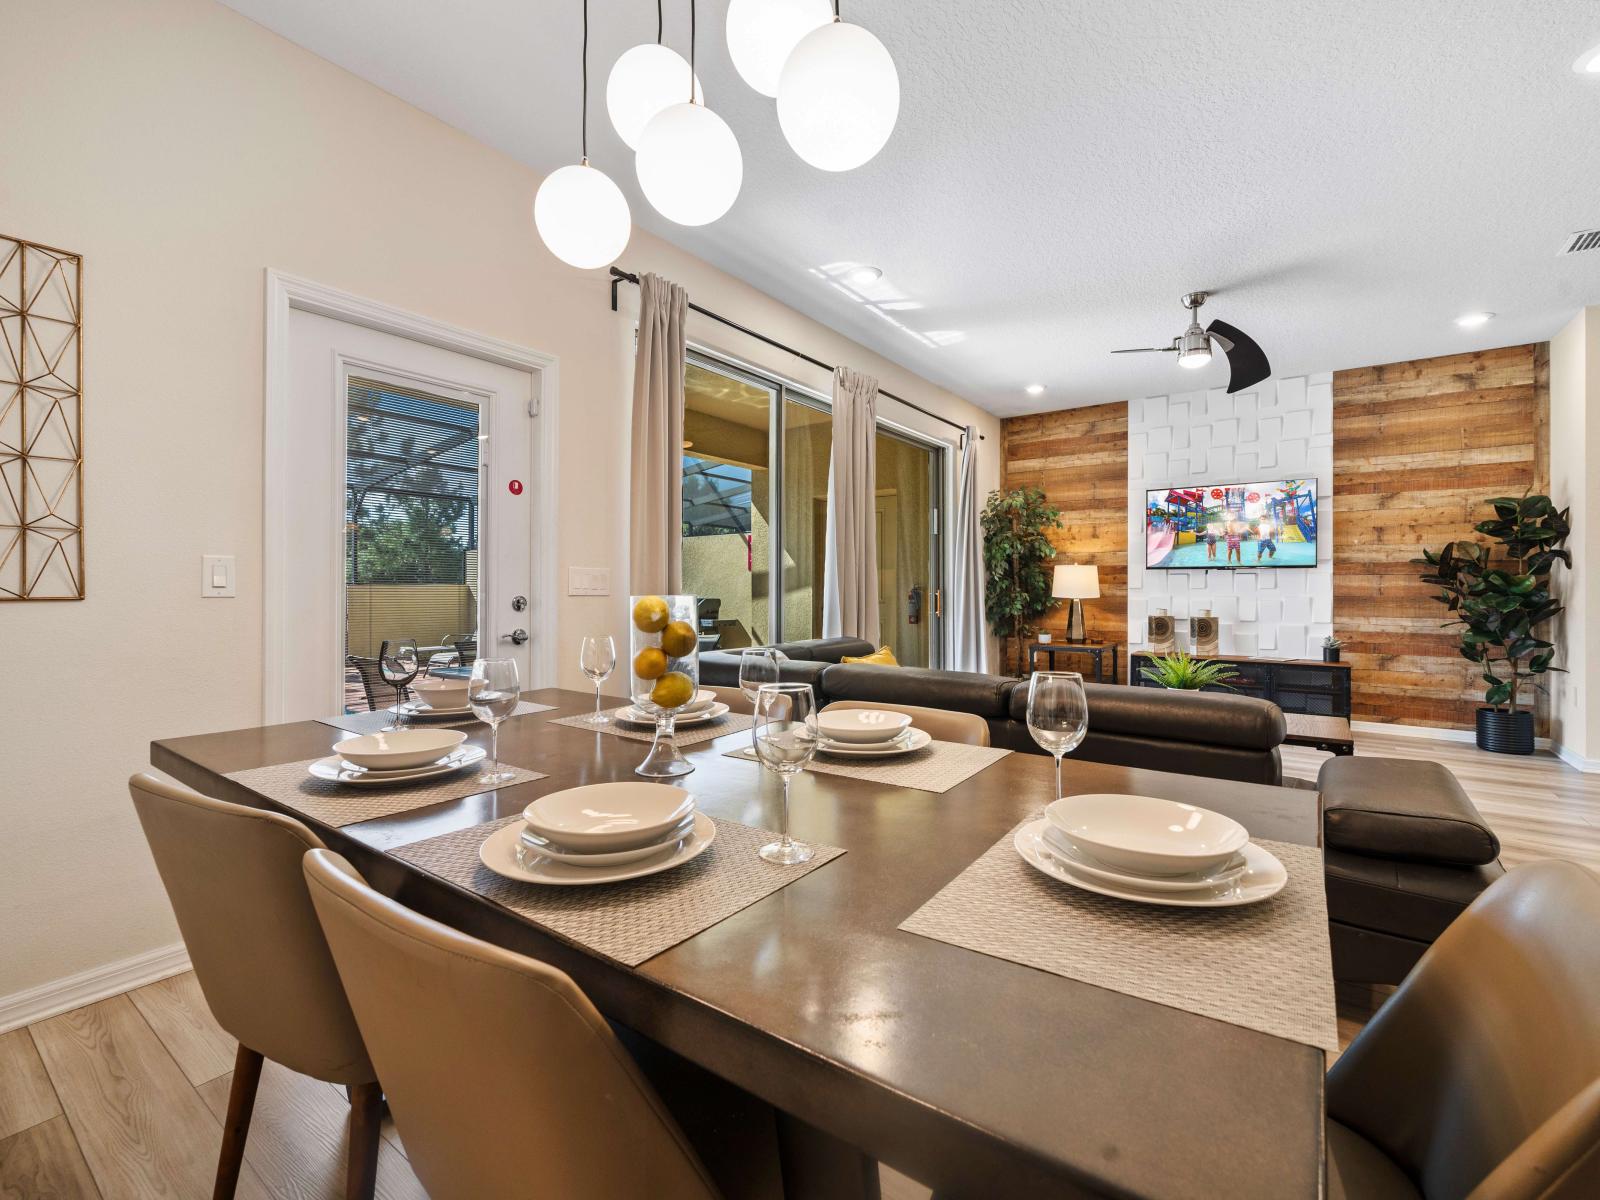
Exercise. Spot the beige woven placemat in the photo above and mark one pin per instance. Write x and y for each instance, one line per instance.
(1264, 966)
(375, 722)
(937, 767)
(685, 735)
(338, 805)
(633, 920)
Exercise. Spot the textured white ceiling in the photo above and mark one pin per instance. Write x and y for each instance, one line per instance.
(1347, 178)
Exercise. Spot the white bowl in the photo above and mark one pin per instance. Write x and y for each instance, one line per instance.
(608, 816)
(440, 693)
(1147, 835)
(861, 725)
(398, 749)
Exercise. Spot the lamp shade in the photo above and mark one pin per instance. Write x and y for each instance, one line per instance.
(838, 97)
(1076, 581)
(763, 33)
(689, 164)
(582, 216)
(645, 80)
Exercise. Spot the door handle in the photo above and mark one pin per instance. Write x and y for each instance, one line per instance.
(938, 602)
(516, 637)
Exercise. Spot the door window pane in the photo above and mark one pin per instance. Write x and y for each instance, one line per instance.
(807, 447)
(908, 551)
(727, 527)
(411, 526)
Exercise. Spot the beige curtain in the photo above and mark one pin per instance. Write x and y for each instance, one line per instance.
(655, 528)
(850, 558)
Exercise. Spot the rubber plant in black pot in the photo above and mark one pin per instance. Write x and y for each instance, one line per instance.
(1498, 593)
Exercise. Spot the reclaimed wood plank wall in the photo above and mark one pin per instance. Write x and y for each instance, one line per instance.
(1079, 458)
(1417, 447)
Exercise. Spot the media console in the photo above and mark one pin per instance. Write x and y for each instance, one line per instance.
(1296, 685)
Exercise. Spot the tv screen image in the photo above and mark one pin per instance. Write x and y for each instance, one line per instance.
(1229, 526)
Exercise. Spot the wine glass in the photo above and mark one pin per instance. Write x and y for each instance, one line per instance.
(493, 693)
(1058, 714)
(785, 737)
(398, 663)
(598, 658)
(757, 665)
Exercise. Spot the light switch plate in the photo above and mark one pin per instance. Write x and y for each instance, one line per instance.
(589, 581)
(217, 578)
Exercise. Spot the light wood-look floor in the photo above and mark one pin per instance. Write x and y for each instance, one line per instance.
(124, 1099)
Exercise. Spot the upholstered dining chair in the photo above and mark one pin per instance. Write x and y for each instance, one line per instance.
(503, 1078)
(1480, 1077)
(938, 723)
(733, 697)
(234, 877)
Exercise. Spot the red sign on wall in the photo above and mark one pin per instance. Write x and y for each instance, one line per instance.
(515, 487)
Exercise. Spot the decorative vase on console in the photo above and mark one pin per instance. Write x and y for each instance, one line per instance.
(665, 674)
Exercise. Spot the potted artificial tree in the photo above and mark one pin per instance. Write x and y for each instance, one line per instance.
(1016, 559)
(1498, 592)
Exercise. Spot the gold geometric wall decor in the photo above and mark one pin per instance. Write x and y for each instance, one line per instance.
(41, 422)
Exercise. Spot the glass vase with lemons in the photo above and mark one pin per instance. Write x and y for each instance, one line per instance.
(664, 667)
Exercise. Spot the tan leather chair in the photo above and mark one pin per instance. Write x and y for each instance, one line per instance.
(941, 724)
(504, 1080)
(233, 875)
(733, 697)
(1480, 1077)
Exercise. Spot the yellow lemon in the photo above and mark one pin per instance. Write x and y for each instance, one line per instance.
(650, 663)
(678, 639)
(650, 614)
(673, 690)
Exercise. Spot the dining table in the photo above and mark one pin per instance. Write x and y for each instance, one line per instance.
(974, 1075)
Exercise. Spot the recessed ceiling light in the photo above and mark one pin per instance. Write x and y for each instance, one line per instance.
(1588, 62)
(1034, 389)
(1472, 320)
(861, 276)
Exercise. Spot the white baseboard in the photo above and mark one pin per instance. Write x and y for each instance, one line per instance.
(1575, 760)
(97, 983)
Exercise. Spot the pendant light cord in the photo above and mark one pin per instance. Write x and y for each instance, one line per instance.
(658, 22)
(584, 136)
(692, 7)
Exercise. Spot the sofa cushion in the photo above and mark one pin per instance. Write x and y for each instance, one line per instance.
(1397, 808)
(1407, 899)
(959, 691)
(881, 657)
(829, 650)
(1206, 718)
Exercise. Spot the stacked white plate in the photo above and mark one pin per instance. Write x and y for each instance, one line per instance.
(437, 698)
(397, 756)
(600, 833)
(867, 733)
(1152, 850)
(704, 707)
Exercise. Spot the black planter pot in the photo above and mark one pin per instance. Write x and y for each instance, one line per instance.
(1330, 653)
(1505, 732)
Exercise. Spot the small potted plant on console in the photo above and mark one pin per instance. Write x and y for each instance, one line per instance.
(1498, 592)
(1331, 647)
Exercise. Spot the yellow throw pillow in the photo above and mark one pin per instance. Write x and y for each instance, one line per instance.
(881, 657)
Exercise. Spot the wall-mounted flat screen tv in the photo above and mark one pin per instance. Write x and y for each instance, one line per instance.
(1221, 527)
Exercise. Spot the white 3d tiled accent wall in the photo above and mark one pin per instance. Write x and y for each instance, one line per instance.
(1281, 429)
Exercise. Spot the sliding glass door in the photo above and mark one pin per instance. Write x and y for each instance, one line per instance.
(755, 515)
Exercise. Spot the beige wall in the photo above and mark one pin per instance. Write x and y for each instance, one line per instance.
(183, 150)
(1574, 448)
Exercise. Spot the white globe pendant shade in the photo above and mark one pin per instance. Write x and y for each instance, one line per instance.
(689, 164)
(763, 33)
(582, 216)
(645, 80)
(838, 97)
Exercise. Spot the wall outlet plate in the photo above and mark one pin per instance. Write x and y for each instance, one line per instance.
(589, 581)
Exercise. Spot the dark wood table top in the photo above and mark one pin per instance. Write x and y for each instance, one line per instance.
(974, 1075)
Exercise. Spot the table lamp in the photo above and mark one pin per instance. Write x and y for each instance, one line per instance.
(1075, 583)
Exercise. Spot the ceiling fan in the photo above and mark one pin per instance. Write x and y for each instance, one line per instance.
(1247, 362)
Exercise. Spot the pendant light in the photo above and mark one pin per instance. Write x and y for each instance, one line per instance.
(838, 96)
(688, 161)
(581, 215)
(763, 33)
(643, 81)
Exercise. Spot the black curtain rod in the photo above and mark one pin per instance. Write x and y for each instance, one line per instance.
(619, 277)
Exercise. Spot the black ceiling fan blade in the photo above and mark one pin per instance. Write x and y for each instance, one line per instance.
(1247, 362)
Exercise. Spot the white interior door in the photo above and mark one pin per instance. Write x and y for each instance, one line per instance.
(407, 503)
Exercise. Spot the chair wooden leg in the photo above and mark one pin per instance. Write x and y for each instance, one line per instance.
(241, 1103)
(366, 1123)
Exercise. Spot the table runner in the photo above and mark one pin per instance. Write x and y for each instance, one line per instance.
(633, 920)
(937, 767)
(376, 722)
(338, 805)
(1266, 966)
(687, 735)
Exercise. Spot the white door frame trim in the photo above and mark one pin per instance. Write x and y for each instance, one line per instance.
(285, 292)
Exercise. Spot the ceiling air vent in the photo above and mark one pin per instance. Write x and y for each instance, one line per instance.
(1584, 239)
